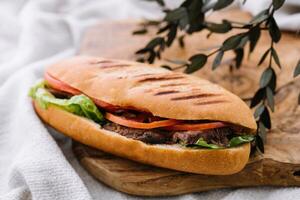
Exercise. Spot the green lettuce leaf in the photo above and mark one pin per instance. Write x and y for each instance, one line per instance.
(234, 142)
(79, 104)
(203, 144)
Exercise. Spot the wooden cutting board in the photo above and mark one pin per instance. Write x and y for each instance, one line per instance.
(279, 166)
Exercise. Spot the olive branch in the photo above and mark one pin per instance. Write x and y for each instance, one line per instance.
(190, 17)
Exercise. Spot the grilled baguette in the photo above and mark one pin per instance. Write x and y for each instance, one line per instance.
(156, 90)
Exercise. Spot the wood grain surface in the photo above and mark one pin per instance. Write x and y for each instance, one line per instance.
(279, 166)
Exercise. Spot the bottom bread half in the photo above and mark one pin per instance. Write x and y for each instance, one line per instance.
(200, 161)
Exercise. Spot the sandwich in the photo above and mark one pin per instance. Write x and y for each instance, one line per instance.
(147, 114)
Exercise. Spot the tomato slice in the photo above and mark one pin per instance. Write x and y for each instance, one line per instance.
(106, 106)
(196, 127)
(59, 85)
(134, 124)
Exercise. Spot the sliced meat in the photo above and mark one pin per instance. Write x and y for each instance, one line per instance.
(148, 136)
(217, 136)
(186, 137)
(155, 136)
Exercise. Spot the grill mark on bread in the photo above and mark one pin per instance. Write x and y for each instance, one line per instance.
(103, 61)
(166, 92)
(122, 77)
(196, 89)
(141, 75)
(210, 102)
(173, 84)
(114, 65)
(194, 96)
(160, 78)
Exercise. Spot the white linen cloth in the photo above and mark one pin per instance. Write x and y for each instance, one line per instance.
(33, 163)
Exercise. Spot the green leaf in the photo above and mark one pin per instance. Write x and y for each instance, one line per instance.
(266, 119)
(32, 91)
(259, 143)
(142, 51)
(197, 62)
(140, 32)
(222, 4)
(195, 15)
(262, 59)
(266, 77)
(176, 14)
(171, 35)
(87, 106)
(184, 22)
(232, 42)
(154, 42)
(236, 141)
(208, 5)
(203, 144)
(141, 60)
(260, 17)
(272, 83)
(276, 58)
(217, 60)
(274, 30)
(297, 69)
(181, 41)
(160, 2)
(270, 98)
(259, 95)
(277, 4)
(79, 104)
(239, 55)
(262, 131)
(164, 28)
(259, 110)
(166, 67)
(243, 42)
(219, 28)
(254, 35)
(151, 57)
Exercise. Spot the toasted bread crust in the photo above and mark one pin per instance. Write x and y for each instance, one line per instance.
(202, 161)
(162, 92)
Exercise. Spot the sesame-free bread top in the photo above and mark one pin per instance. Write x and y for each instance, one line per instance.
(156, 90)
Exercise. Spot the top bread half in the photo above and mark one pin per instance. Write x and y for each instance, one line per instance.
(156, 90)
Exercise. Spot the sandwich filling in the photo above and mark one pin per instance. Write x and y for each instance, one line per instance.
(138, 125)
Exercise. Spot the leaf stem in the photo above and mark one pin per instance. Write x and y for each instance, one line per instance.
(235, 22)
(214, 52)
(270, 62)
(179, 67)
(248, 28)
